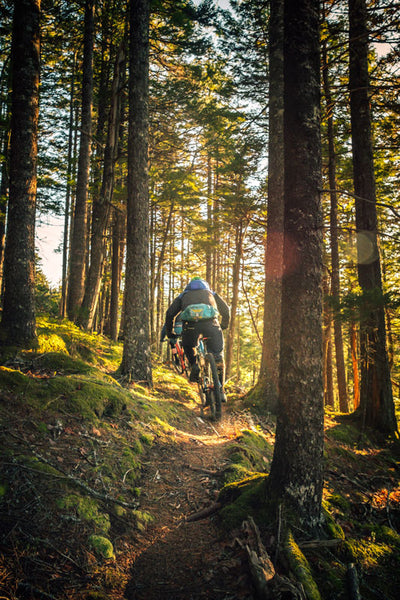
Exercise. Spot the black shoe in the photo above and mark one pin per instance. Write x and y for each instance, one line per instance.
(194, 373)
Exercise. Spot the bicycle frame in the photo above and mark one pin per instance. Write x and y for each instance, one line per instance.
(208, 383)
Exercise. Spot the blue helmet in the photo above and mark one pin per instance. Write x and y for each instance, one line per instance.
(197, 283)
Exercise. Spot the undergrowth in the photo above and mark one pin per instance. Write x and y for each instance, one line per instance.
(73, 442)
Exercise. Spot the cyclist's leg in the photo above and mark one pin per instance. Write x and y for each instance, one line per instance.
(190, 336)
(215, 345)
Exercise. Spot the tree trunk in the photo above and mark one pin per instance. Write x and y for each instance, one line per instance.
(354, 362)
(329, 399)
(376, 398)
(79, 232)
(240, 235)
(136, 359)
(335, 291)
(102, 204)
(269, 372)
(118, 235)
(64, 282)
(296, 470)
(18, 322)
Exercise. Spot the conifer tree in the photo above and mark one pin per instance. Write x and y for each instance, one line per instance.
(136, 359)
(376, 397)
(296, 469)
(18, 322)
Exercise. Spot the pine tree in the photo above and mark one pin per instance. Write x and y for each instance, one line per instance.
(136, 359)
(296, 469)
(18, 322)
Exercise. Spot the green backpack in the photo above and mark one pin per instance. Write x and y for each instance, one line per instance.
(198, 312)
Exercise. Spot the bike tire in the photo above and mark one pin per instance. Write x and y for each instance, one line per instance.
(215, 391)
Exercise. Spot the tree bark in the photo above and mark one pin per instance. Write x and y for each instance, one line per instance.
(376, 398)
(269, 371)
(136, 359)
(18, 322)
(118, 243)
(64, 281)
(79, 232)
(296, 470)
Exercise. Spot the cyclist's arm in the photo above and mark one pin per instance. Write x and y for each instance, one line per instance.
(223, 310)
(171, 313)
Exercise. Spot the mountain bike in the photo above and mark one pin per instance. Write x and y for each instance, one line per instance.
(208, 381)
(179, 359)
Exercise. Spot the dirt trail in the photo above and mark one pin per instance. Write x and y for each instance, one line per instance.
(178, 559)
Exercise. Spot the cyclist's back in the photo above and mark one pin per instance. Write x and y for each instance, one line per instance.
(199, 309)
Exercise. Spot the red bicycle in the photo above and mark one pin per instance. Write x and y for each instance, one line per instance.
(179, 359)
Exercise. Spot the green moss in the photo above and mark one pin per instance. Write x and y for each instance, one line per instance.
(344, 433)
(251, 450)
(333, 529)
(102, 546)
(147, 439)
(340, 502)
(388, 536)
(242, 499)
(368, 553)
(3, 489)
(88, 510)
(300, 567)
(143, 519)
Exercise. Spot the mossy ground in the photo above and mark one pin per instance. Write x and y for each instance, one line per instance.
(68, 428)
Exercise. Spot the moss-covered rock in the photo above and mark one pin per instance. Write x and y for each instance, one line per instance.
(102, 546)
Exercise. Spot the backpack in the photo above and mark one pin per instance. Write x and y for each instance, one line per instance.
(198, 312)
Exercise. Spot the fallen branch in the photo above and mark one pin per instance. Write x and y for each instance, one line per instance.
(319, 544)
(204, 513)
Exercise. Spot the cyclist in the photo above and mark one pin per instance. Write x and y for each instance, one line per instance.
(176, 333)
(199, 308)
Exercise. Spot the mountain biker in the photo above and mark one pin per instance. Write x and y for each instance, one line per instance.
(199, 308)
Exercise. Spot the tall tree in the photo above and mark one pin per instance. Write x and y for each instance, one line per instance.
(79, 231)
(269, 371)
(334, 243)
(376, 398)
(18, 322)
(296, 470)
(136, 359)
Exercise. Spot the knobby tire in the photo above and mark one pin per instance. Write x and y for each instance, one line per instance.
(215, 392)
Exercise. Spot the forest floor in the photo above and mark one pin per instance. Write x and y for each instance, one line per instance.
(181, 559)
(112, 494)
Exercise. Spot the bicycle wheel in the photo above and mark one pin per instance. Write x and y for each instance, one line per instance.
(214, 387)
(202, 386)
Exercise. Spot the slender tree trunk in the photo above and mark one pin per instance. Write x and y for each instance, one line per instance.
(18, 324)
(240, 234)
(329, 399)
(354, 362)
(376, 398)
(116, 270)
(136, 359)
(269, 371)
(79, 232)
(102, 203)
(63, 303)
(296, 470)
(337, 326)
